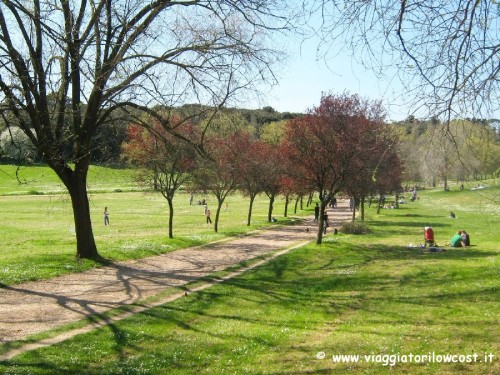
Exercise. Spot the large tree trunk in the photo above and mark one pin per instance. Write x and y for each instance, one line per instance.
(77, 188)
(287, 200)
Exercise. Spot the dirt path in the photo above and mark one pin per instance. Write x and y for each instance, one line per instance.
(35, 307)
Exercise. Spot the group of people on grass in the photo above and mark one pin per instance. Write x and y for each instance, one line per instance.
(459, 239)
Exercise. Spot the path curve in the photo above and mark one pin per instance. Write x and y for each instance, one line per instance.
(35, 307)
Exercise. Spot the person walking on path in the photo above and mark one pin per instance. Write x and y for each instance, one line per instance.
(316, 213)
(106, 216)
(325, 222)
(333, 202)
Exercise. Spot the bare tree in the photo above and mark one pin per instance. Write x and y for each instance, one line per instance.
(67, 66)
(445, 52)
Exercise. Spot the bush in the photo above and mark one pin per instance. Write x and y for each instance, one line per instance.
(36, 192)
(355, 228)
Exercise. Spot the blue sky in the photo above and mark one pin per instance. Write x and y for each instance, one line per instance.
(303, 79)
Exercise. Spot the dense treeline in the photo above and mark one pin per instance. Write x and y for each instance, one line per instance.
(462, 150)
(15, 146)
(341, 146)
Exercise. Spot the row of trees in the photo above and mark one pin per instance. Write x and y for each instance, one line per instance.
(16, 147)
(342, 145)
(473, 147)
(469, 150)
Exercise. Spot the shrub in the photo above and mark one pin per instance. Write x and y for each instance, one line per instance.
(355, 228)
(35, 192)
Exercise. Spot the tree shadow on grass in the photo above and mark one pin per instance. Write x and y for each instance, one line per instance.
(286, 284)
(316, 293)
(290, 285)
(406, 224)
(39, 362)
(383, 252)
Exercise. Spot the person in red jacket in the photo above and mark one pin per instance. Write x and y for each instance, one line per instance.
(429, 236)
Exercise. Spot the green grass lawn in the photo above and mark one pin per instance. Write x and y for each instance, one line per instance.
(38, 235)
(43, 180)
(371, 296)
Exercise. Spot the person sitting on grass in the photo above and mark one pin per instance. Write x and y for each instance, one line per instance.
(465, 238)
(457, 241)
(429, 236)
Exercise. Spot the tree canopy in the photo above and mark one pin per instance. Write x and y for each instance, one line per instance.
(330, 146)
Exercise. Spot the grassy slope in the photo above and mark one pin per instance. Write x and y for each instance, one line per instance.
(352, 295)
(43, 180)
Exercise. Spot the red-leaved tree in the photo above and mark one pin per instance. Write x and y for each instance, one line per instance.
(165, 161)
(273, 171)
(251, 155)
(378, 168)
(218, 171)
(324, 144)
